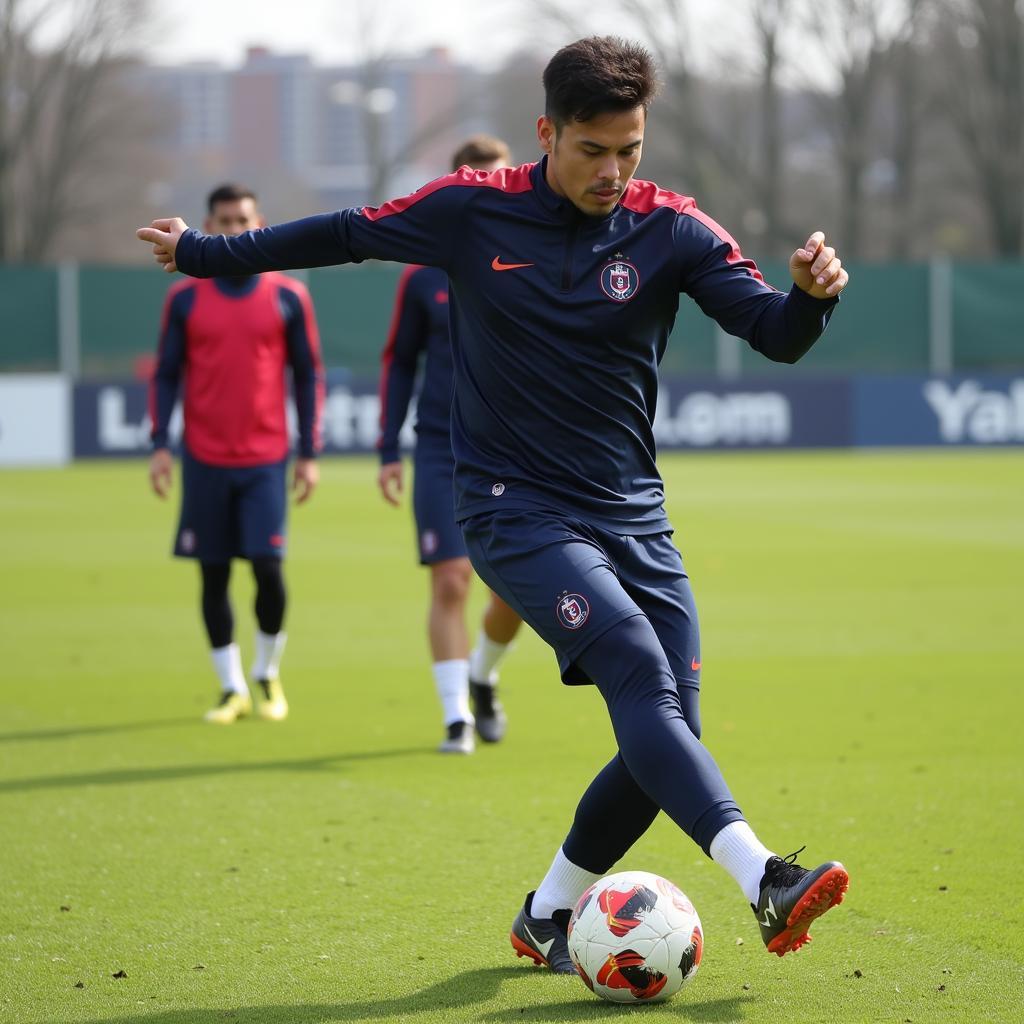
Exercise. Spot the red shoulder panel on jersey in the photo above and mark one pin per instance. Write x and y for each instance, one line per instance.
(646, 197)
(293, 284)
(506, 179)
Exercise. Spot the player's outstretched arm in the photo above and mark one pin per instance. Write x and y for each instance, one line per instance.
(817, 270)
(422, 228)
(324, 240)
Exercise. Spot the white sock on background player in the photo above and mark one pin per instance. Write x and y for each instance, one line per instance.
(269, 648)
(740, 852)
(485, 658)
(228, 663)
(562, 886)
(452, 681)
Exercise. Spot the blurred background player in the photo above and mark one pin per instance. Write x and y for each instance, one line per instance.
(419, 328)
(231, 340)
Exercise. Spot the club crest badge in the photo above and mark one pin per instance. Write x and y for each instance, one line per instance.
(620, 280)
(572, 610)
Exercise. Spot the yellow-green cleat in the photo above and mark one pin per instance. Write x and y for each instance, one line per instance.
(231, 707)
(271, 703)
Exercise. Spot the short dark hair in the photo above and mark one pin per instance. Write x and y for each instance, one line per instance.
(228, 193)
(481, 149)
(598, 75)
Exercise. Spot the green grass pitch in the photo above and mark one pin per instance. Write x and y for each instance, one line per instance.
(863, 690)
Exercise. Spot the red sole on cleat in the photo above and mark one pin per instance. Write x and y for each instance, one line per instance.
(826, 893)
(522, 949)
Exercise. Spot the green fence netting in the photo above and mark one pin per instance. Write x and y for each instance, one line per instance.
(884, 323)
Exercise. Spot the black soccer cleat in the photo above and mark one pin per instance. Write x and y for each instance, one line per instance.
(458, 739)
(792, 897)
(491, 720)
(543, 939)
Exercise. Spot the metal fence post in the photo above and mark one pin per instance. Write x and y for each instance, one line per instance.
(940, 315)
(69, 335)
(728, 355)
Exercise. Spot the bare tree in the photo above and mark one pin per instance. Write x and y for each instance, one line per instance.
(854, 37)
(770, 21)
(667, 28)
(984, 96)
(64, 123)
(376, 37)
(910, 105)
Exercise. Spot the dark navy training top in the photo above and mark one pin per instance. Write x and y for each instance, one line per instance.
(558, 323)
(419, 327)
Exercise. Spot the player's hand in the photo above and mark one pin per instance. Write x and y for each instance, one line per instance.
(817, 269)
(389, 480)
(164, 235)
(160, 466)
(305, 479)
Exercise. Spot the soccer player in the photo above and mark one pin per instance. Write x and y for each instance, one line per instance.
(228, 342)
(565, 278)
(419, 327)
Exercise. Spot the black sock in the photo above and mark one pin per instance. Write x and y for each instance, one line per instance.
(270, 594)
(217, 616)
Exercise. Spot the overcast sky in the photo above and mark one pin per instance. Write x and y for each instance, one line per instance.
(474, 30)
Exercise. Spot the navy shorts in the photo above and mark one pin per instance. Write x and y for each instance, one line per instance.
(571, 582)
(438, 536)
(231, 511)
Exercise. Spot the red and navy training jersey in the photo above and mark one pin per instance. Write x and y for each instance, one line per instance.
(230, 341)
(558, 324)
(419, 328)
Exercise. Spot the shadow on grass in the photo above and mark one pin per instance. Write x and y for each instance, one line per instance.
(588, 1007)
(128, 776)
(74, 731)
(454, 999)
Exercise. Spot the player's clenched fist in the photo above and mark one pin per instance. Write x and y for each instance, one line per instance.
(164, 235)
(817, 269)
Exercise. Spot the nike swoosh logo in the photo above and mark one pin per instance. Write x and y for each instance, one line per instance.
(496, 264)
(695, 664)
(541, 947)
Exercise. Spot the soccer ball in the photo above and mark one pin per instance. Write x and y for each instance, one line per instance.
(635, 937)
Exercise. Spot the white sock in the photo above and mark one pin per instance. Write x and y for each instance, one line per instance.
(452, 681)
(269, 648)
(228, 663)
(562, 886)
(485, 657)
(740, 852)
